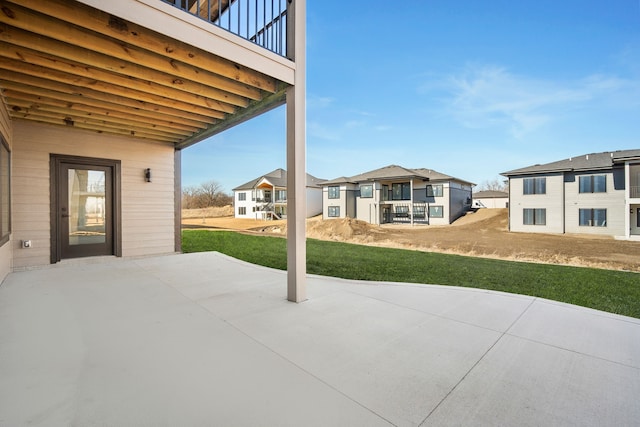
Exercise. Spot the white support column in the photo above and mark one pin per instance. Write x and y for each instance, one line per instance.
(296, 157)
(411, 198)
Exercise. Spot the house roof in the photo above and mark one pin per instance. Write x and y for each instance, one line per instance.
(278, 178)
(396, 172)
(592, 161)
(490, 194)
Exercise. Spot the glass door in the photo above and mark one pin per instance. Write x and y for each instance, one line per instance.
(85, 203)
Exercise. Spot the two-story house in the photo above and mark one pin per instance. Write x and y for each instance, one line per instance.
(590, 194)
(265, 197)
(394, 194)
(100, 97)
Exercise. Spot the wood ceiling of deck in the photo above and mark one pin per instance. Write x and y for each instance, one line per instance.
(67, 64)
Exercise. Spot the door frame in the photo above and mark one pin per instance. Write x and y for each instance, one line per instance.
(55, 162)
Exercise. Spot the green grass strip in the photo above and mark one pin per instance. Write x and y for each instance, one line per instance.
(607, 290)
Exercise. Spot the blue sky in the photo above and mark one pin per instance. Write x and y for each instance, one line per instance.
(468, 88)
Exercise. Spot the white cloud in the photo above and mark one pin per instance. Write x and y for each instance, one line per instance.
(491, 96)
(319, 101)
(319, 131)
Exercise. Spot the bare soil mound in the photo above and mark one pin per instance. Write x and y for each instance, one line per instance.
(483, 233)
(210, 212)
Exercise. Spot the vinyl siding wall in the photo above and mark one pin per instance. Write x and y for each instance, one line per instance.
(552, 201)
(458, 197)
(314, 201)
(346, 202)
(147, 209)
(6, 250)
(612, 201)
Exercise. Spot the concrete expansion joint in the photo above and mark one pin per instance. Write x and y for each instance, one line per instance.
(506, 332)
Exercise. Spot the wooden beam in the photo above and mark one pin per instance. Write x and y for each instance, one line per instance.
(74, 100)
(43, 59)
(104, 110)
(99, 130)
(71, 120)
(269, 103)
(36, 23)
(25, 39)
(82, 94)
(21, 105)
(135, 35)
(18, 67)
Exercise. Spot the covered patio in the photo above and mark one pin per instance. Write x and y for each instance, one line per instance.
(204, 339)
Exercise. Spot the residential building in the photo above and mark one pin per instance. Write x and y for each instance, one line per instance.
(492, 199)
(590, 194)
(394, 194)
(265, 197)
(100, 97)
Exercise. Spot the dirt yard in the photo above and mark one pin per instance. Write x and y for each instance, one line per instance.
(483, 233)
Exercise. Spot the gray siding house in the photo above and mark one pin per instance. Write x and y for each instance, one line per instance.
(589, 194)
(394, 194)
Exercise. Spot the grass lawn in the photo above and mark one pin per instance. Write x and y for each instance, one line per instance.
(612, 291)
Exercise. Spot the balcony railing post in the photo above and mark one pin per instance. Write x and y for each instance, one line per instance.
(265, 29)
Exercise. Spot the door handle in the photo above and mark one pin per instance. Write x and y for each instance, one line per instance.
(66, 216)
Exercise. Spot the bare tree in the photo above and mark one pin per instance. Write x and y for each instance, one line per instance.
(495, 184)
(207, 194)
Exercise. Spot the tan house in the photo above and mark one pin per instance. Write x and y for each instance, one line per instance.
(394, 194)
(100, 97)
(596, 193)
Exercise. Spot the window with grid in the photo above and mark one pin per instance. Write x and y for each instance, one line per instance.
(333, 211)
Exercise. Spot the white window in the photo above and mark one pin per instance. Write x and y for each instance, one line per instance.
(242, 196)
(242, 210)
(334, 211)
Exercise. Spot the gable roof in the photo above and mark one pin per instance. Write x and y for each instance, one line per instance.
(592, 161)
(490, 194)
(395, 172)
(278, 178)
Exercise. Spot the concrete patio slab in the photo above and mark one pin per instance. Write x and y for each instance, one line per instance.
(203, 339)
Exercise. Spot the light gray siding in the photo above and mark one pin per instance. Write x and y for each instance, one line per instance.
(613, 200)
(459, 198)
(552, 201)
(147, 209)
(346, 202)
